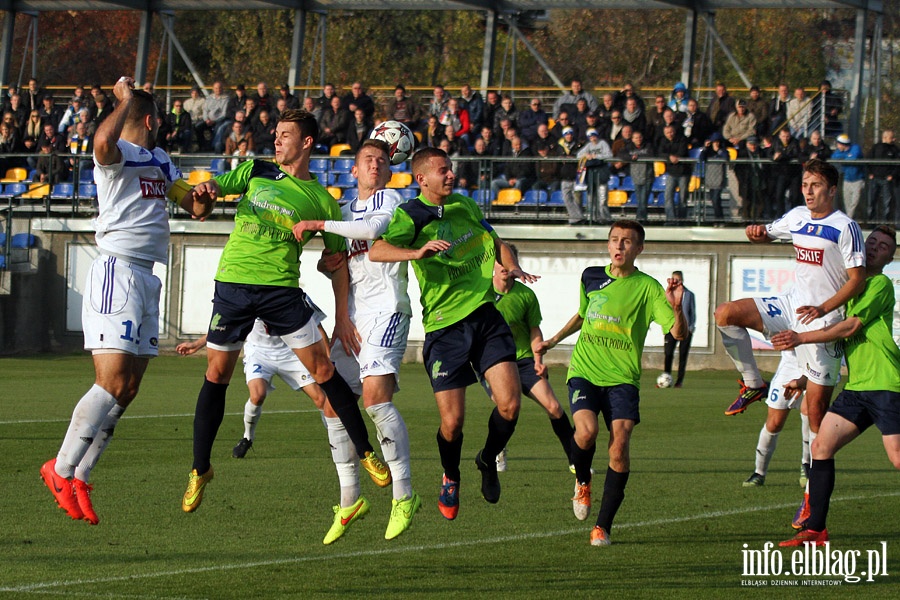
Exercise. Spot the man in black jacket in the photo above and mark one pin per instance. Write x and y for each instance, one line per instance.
(673, 149)
(883, 180)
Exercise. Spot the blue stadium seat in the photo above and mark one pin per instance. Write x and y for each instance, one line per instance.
(401, 168)
(23, 240)
(627, 184)
(462, 192)
(86, 176)
(482, 196)
(613, 183)
(556, 198)
(87, 190)
(344, 180)
(318, 165)
(2, 261)
(62, 191)
(410, 193)
(217, 166)
(349, 194)
(534, 198)
(11, 190)
(659, 184)
(342, 165)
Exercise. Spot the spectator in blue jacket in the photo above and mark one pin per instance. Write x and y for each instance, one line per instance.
(854, 177)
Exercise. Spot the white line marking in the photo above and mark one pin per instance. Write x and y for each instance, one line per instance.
(38, 587)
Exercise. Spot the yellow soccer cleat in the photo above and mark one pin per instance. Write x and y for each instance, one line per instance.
(344, 517)
(193, 496)
(402, 512)
(378, 471)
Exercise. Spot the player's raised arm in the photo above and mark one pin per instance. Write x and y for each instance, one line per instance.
(757, 234)
(788, 339)
(382, 251)
(507, 258)
(199, 201)
(674, 295)
(110, 129)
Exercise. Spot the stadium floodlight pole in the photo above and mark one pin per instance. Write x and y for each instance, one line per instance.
(187, 61)
(711, 27)
(537, 55)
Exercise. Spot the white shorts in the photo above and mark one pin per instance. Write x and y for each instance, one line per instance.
(260, 364)
(788, 369)
(821, 363)
(381, 349)
(120, 308)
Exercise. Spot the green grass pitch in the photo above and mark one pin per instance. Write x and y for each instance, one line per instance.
(680, 532)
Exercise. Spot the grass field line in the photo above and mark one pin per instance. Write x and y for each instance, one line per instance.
(45, 586)
(174, 415)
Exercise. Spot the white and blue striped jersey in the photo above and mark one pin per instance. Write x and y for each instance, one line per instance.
(133, 221)
(374, 287)
(825, 248)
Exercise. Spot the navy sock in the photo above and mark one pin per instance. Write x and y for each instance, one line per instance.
(450, 455)
(582, 460)
(343, 401)
(821, 485)
(613, 495)
(500, 431)
(207, 418)
(564, 432)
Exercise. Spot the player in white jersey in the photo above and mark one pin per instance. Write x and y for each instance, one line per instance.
(265, 356)
(120, 311)
(830, 270)
(780, 405)
(380, 310)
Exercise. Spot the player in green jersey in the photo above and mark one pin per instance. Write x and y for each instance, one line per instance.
(872, 393)
(453, 250)
(519, 306)
(618, 303)
(258, 277)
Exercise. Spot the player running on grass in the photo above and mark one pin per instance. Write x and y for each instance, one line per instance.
(258, 277)
(120, 313)
(453, 250)
(380, 311)
(520, 309)
(872, 393)
(830, 270)
(618, 303)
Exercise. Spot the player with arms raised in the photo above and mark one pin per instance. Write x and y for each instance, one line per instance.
(120, 313)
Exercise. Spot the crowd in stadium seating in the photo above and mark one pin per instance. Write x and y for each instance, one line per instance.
(759, 144)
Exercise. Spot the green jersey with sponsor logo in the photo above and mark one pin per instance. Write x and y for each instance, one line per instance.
(617, 313)
(261, 249)
(455, 282)
(520, 308)
(873, 357)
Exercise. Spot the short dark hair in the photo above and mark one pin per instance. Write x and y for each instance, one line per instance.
(305, 120)
(679, 273)
(824, 169)
(629, 224)
(373, 143)
(888, 230)
(400, 87)
(142, 105)
(422, 156)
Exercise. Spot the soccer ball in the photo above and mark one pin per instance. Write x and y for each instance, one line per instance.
(664, 380)
(400, 140)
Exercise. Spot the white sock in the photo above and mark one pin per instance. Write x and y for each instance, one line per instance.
(101, 441)
(765, 448)
(87, 418)
(738, 346)
(394, 440)
(251, 418)
(804, 429)
(343, 453)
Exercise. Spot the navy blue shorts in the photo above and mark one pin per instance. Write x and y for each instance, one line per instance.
(457, 355)
(527, 376)
(613, 402)
(864, 409)
(236, 305)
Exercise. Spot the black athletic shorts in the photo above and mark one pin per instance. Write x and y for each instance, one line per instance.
(456, 355)
(863, 409)
(236, 305)
(613, 402)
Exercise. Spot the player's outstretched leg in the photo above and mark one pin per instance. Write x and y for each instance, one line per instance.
(207, 419)
(83, 471)
(451, 453)
(394, 440)
(252, 412)
(352, 506)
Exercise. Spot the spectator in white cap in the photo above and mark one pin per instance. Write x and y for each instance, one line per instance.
(853, 176)
(568, 172)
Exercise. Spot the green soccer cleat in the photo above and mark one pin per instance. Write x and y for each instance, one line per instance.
(755, 480)
(193, 496)
(402, 512)
(377, 470)
(344, 517)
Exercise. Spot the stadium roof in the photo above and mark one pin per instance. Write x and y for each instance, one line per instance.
(502, 6)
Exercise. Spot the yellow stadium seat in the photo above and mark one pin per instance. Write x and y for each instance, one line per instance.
(232, 198)
(15, 175)
(37, 190)
(197, 177)
(400, 180)
(551, 122)
(694, 184)
(418, 135)
(617, 198)
(732, 153)
(508, 197)
(337, 149)
(335, 192)
(659, 168)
